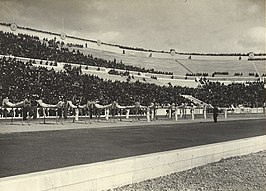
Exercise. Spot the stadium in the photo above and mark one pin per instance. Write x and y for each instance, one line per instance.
(84, 113)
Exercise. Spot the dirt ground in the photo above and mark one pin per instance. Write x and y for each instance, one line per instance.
(238, 173)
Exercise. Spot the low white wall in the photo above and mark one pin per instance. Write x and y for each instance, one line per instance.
(108, 174)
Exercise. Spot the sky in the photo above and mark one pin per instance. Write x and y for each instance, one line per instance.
(204, 26)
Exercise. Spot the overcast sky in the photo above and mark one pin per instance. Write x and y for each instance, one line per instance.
(187, 26)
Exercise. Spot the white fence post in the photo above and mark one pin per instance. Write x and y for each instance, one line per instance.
(176, 116)
(107, 111)
(127, 114)
(76, 114)
(205, 112)
(38, 115)
(152, 114)
(192, 113)
(225, 113)
(148, 115)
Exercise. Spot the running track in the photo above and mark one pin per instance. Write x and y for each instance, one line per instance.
(22, 153)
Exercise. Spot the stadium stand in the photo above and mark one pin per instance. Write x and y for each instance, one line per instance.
(19, 79)
(129, 82)
(49, 85)
(30, 46)
(53, 50)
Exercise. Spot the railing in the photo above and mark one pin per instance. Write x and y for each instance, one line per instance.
(170, 113)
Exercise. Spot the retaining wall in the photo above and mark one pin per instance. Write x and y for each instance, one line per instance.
(113, 173)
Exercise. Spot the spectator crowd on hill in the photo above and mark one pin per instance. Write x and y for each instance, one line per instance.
(19, 79)
(22, 45)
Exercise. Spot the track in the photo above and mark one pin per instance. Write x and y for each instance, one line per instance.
(22, 153)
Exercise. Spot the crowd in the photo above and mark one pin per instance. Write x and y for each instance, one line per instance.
(49, 85)
(75, 45)
(253, 74)
(250, 94)
(53, 50)
(19, 79)
(219, 73)
(238, 74)
(252, 59)
(115, 72)
(197, 74)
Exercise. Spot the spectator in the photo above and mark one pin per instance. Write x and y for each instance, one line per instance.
(51, 50)
(49, 85)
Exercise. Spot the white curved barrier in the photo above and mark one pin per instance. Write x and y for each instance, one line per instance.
(7, 103)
